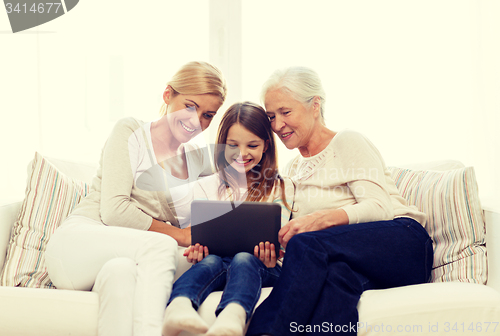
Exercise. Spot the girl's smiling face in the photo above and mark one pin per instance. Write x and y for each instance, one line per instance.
(243, 149)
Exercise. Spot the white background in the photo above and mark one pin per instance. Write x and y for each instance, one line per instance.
(421, 78)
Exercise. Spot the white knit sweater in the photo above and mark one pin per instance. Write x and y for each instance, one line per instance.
(349, 174)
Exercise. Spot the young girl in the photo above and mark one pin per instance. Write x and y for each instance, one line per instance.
(245, 158)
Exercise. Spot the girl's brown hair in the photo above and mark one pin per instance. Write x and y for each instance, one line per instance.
(262, 178)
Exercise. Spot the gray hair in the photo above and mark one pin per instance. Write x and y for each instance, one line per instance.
(302, 83)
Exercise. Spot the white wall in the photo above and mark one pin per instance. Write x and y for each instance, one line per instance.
(418, 77)
(64, 84)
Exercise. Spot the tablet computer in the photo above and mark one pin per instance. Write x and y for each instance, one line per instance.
(228, 228)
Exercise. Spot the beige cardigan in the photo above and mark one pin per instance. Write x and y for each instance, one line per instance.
(349, 174)
(115, 198)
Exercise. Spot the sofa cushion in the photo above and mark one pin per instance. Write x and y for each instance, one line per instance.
(425, 309)
(50, 196)
(46, 312)
(430, 309)
(455, 220)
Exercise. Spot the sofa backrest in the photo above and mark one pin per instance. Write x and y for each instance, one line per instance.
(77, 170)
(85, 172)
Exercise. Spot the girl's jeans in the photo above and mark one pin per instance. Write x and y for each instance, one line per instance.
(241, 277)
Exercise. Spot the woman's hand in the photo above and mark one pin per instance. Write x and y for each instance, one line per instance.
(266, 253)
(196, 253)
(316, 221)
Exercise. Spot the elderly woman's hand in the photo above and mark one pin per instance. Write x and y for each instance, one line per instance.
(315, 221)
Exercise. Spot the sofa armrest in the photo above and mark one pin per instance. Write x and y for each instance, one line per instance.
(492, 218)
(8, 215)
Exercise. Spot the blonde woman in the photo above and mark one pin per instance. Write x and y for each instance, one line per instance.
(121, 240)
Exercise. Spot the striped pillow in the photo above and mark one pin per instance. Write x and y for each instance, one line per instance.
(455, 220)
(50, 197)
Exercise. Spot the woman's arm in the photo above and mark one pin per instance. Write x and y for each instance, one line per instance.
(368, 183)
(117, 178)
(182, 236)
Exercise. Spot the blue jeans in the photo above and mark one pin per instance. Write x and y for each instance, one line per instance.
(325, 272)
(241, 277)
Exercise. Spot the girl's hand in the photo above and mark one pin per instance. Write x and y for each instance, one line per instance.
(266, 253)
(195, 254)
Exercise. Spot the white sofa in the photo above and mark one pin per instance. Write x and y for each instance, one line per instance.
(427, 309)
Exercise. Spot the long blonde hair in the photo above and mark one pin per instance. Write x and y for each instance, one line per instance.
(197, 78)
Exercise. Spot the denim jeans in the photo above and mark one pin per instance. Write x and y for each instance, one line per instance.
(325, 272)
(241, 277)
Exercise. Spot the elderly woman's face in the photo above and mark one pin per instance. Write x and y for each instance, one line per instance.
(290, 119)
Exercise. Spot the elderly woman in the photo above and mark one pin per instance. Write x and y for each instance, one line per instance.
(350, 230)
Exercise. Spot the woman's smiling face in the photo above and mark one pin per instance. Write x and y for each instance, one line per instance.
(189, 115)
(243, 149)
(290, 119)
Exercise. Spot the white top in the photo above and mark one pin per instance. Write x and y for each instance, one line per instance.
(349, 174)
(180, 190)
